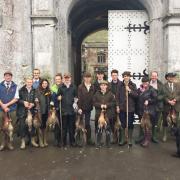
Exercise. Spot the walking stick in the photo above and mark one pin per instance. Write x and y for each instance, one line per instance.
(127, 109)
(60, 115)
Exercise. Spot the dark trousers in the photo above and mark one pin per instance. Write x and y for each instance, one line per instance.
(44, 118)
(122, 116)
(68, 124)
(23, 129)
(87, 115)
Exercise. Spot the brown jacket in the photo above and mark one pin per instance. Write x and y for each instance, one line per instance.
(85, 97)
(109, 99)
(132, 97)
(169, 95)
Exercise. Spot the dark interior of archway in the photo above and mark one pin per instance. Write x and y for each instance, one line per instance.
(88, 16)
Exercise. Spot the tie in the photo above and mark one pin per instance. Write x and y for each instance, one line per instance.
(171, 87)
(7, 86)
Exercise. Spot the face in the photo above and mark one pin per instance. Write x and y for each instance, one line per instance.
(100, 76)
(154, 76)
(145, 84)
(36, 74)
(126, 78)
(87, 80)
(58, 80)
(44, 84)
(114, 76)
(67, 80)
(29, 83)
(170, 79)
(8, 77)
(103, 87)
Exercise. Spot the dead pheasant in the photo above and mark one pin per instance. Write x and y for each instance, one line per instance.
(37, 116)
(102, 120)
(29, 120)
(52, 119)
(145, 121)
(80, 133)
(7, 126)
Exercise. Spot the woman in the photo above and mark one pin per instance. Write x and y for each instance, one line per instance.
(147, 98)
(43, 94)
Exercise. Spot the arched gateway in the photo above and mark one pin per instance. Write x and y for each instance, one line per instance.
(48, 33)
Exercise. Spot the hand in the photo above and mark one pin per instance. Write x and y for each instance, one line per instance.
(117, 109)
(75, 106)
(59, 98)
(75, 100)
(6, 110)
(80, 111)
(102, 106)
(105, 106)
(31, 105)
(51, 103)
(26, 104)
(4, 106)
(146, 103)
(128, 89)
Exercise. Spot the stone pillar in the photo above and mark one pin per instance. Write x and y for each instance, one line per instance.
(43, 28)
(172, 36)
(15, 41)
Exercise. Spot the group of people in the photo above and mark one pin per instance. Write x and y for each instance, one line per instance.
(117, 100)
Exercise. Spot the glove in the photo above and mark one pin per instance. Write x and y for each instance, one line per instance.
(51, 103)
(75, 106)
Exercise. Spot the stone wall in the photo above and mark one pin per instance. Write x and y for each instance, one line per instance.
(15, 41)
(36, 33)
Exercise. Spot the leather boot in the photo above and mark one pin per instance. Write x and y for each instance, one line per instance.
(141, 136)
(146, 141)
(164, 139)
(40, 136)
(23, 144)
(33, 142)
(3, 143)
(122, 141)
(154, 135)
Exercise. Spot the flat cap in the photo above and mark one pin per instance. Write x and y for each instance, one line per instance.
(170, 74)
(126, 73)
(8, 72)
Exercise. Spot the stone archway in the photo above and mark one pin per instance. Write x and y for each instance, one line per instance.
(85, 16)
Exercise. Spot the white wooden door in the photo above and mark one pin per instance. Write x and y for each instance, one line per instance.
(128, 43)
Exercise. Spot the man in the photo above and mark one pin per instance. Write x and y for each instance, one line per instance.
(99, 78)
(67, 94)
(128, 91)
(103, 100)
(8, 97)
(54, 90)
(85, 102)
(27, 96)
(158, 86)
(172, 99)
(114, 87)
(36, 78)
